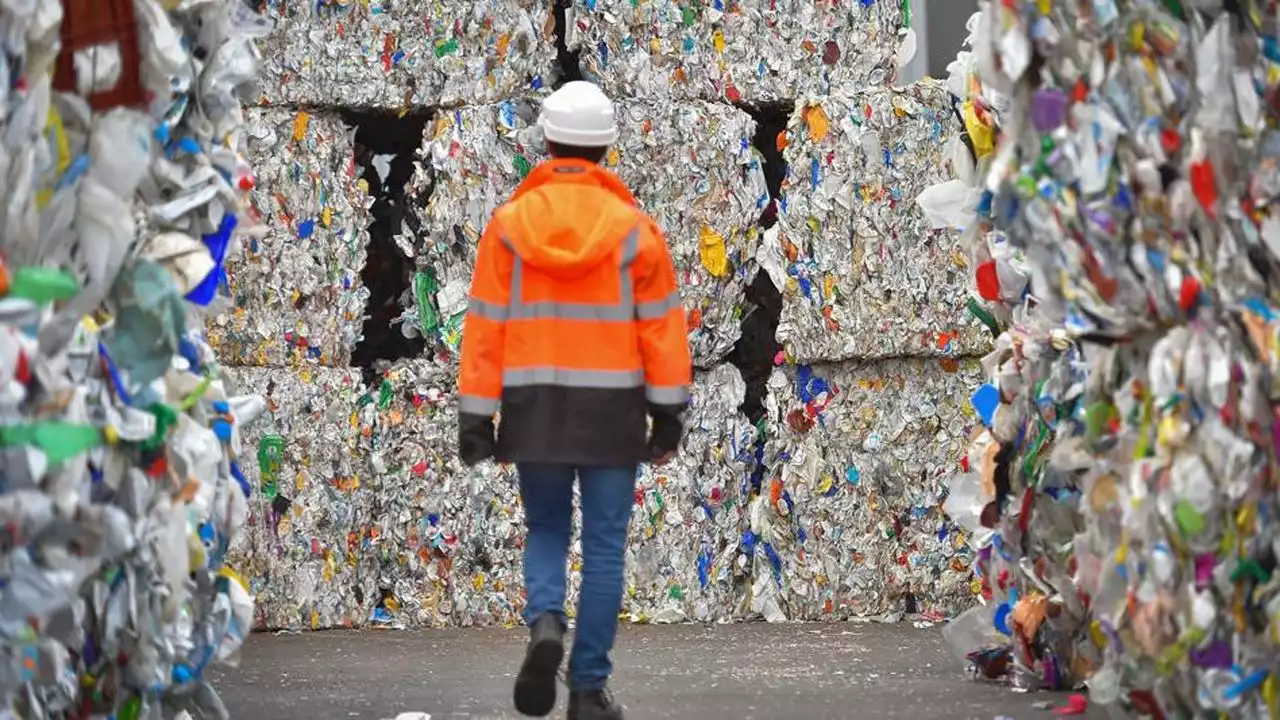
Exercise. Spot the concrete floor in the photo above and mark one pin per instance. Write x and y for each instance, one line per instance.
(732, 672)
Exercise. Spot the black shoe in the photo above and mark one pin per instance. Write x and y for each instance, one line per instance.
(593, 705)
(535, 693)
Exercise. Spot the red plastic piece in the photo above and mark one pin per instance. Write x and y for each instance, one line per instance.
(1076, 705)
(22, 373)
(988, 281)
(1189, 293)
(1204, 187)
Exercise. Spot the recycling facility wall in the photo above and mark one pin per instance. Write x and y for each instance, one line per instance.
(833, 351)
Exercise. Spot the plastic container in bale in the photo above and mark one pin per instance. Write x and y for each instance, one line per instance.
(99, 58)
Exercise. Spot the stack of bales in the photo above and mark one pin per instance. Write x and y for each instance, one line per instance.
(827, 508)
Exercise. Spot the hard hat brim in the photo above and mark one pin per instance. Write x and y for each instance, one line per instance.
(578, 137)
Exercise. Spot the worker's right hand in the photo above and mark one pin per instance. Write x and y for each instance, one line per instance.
(475, 439)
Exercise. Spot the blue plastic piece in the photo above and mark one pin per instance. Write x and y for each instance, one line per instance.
(985, 401)
(222, 429)
(241, 480)
(1001, 619)
(217, 243)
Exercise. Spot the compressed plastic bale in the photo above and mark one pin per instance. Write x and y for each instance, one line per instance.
(451, 539)
(690, 165)
(684, 549)
(407, 54)
(472, 159)
(309, 560)
(745, 51)
(1126, 485)
(448, 537)
(120, 441)
(848, 520)
(296, 287)
(862, 272)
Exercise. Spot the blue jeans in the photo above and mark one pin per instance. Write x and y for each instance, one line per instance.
(607, 498)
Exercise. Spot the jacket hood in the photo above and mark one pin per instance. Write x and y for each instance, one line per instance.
(568, 216)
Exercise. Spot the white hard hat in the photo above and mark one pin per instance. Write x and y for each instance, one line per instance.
(579, 114)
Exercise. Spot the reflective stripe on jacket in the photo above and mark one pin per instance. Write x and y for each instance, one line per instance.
(575, 327)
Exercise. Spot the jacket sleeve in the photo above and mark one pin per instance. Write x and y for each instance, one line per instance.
(664, 340)
(483, 337)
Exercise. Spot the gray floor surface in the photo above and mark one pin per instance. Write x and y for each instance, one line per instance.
(727, 672)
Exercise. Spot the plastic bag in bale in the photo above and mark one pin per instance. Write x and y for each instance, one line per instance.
(296, 282)
(740, 51)
(863, 273)
(848, 520)
(407, 54)
(684, 549)
(309, 560)
(690, 165)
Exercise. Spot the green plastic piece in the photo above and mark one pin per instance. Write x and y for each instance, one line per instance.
(131, 710)
(522, 166)
(270, 458)
(59, 441)
(424, 289)
(452, 331)
(43, 285)
(166, 419)
(1250, 568)
(447, 47)
(1096, 417)
(1031, 460)
(386, 392)
(194, 396)
(1189, 520)
(985, 317)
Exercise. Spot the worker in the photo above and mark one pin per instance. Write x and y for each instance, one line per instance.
(575, 329)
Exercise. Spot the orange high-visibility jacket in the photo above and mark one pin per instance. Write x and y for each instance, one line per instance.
(575, 327)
